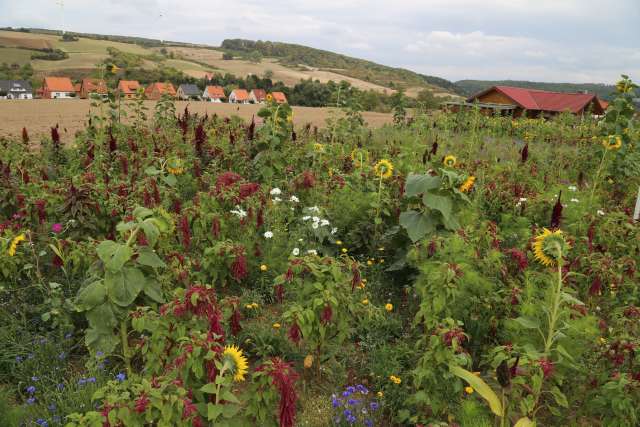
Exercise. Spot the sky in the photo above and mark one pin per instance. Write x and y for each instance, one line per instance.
(539, 40)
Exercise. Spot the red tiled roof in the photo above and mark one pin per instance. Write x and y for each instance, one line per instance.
(58, 84)
(161, 88)
(533, 99)
(604, 104)
(241, 94)
(259, 94)
(128, 86)
(94, 85)
(77, 87)
(279, 97)
(215, 92)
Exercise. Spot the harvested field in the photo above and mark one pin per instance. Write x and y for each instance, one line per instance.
(39, 115)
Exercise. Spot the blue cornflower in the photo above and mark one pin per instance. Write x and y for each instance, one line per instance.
(121, 377)
(42, 422)
(91, 380)
(82, 381)
(34, 378)
(362, 389)
(347, 413)
(57, 419)
(99, 353)
(368, 423)
(62, 355)
(374, 406)
(351, 389)
(31, 389)
(30, 356)
(68, 335)
(61, 386)
(352, 419)
(31, 401)
(335, 402)
(19, 359)
(52, 407)
(101, 366)
(353, 402)
(346, 393)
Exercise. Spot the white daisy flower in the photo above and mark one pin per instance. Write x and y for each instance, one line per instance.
(315, 219)
(315, 225)
(277, 199)
(573, 188)
(239, 212)
(314, 209)
(324, 222)
(306, 218)
(523, 199)
(268, 235)
(312, 252)
(295, 252)
(575, 200)
(334, 230)
(275, 191)
(294, 199)
(600, 212)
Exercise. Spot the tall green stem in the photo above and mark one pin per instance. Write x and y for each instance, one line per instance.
(124, 337)
(597, 179)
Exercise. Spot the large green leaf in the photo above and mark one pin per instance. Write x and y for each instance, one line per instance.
(153, 290)
(440, 203)
(124, 286)
(417, 224)
(146, 256)
(102, 317)
(91, 295)
(418, 184)
(481, 387)
(114, 255)
(150, 229)
(524, 422)
(100, 340)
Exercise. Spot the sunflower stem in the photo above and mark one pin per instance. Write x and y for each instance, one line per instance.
(597, 178)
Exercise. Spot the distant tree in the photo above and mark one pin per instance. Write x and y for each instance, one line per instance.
(268, 74)
(227, 56)
(428, 100)
(68, 37)
(255, 57)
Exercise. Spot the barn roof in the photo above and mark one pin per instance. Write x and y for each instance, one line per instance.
(241, 94)
(58, 84)
(260, 94)
(95, 85)
(128, 86)
(534, 99)
(279, 97)
(162, 88)
(190, 89)
(215, 92)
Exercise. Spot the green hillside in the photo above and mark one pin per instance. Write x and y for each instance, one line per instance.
(296, 55)
(469, 87)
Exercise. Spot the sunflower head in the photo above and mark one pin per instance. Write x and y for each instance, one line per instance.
(384, 169)
(236, 362)
(359, 157)
(175, 166)
(13, 246)
(468, 184)
(269, 98)
(548, 246)
(612, 142)
(318, 147)
(450, 161)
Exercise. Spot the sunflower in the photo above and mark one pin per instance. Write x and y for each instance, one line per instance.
(269, 98)
(318, 147)
(612, 142)
(175, 166)
(359, 157)
(236, 361)
(545, 247)
(388, 307)
(14, 244)
(450, 161)
(384, 169)
(468, 184)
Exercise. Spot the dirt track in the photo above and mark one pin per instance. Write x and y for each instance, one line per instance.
(38, 116)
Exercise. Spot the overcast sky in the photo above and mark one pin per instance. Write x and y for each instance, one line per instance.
(540, 40)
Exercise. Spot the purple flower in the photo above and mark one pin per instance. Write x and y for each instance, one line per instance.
(31, 401)
(60, 387)
(42, 422)
(34, 378)
(99, 353)
(56, 228)
(362, 389)
(19, 359)
(335, 402)
(91, 380)
(68, 336)
(347, 413)
(61, 356)
(346, 393)
(351, 389)
(121, 377)
(31, 389)
(368, 423)
(374, 406)
(82, 381)
(353, 402)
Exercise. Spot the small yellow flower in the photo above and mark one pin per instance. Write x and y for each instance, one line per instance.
(269, 98)
(380, 394)
(468, 184)
(369, 262)
(468, 390)
(290, 118)
(602, 340)
(276, 325)
(450, 161)
(248, 306)
(318, 147)
(264, 267)
(394, 379)
(344, 250)
(612, 142)
(381, 261)
(388, 307)
(14, 244)
(308, 361)
(339, 242)
(175, 166)
(381, 248)
(383, 169)
(361, 285)
(365, 301)
(255, 306)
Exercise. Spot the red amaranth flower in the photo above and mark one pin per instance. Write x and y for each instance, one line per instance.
(326, 315)
(234, 320)
(226, 179)
(239, 267)
(547, 367)
(189, 408)
(520, 258)
(200, 138)
(55, 138)
(308, 180)
(185, 230)
(113, 144)
(248, 189)
(556, 214)
(596, 286)
(283, 377)
(524, 154)
(295, 333)
(141, 403)
(279, 291)
(356, 279)
(40, 208)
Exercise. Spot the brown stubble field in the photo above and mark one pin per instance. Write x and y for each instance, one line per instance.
(38, 116)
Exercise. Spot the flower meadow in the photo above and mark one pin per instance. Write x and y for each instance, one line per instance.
(446, 270)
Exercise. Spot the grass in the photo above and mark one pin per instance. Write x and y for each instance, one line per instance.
(12, 55)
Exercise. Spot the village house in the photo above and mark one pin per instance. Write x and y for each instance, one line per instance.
(517, 102)
(279, 97)
(90, 87)
(258, 96)
(208, 77)
(155, 91)
(214, 94)
(15, 89)
(239, 96)
(188, 91)
(128, 88)
(58, 88)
